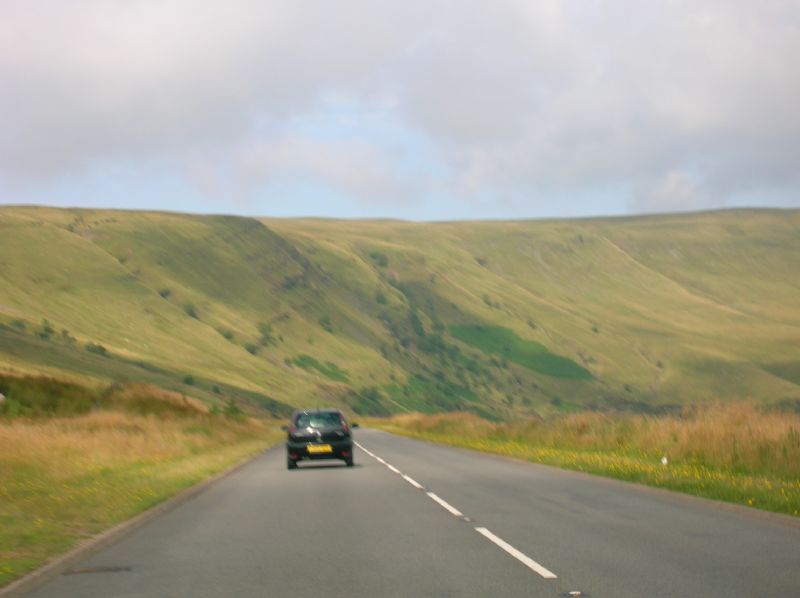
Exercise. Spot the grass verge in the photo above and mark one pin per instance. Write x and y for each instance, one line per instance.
(65, 478)
(734, 453)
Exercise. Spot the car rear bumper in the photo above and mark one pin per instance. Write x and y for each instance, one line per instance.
(340, 449)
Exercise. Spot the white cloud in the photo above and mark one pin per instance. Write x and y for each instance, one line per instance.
(351, 166)
(519, 99)
(674, 192)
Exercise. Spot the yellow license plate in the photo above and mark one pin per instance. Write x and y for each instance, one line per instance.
(316, 449)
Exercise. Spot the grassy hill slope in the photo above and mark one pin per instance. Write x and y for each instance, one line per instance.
(382, 316)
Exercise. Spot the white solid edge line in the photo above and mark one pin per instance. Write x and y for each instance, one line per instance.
(446, 505)
(393, 468)
(523, 558)
(412, 481)
(379, 460)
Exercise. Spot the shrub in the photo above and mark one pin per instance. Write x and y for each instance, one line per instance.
(326, 323)
(226, 333)
(267, 336)
(41, 396)
(290, 282)
(19, 324)
(97, 349)
(188, 380)
(191, 310)
(45, 330)
(165, 293)
(379, 258)
(380, 298)
(232, 410)
(251, 348)
(416, 323)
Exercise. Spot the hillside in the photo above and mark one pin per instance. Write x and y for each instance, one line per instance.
(644, 313)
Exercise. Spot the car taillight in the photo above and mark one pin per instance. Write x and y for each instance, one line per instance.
(345, 428)
(292, 429)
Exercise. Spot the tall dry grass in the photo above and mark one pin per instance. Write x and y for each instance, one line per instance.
(735, 452)
(66, 478)
(735, 436)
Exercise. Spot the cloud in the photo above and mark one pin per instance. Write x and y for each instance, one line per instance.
(674, 192)
(349, 166)
(688, 103)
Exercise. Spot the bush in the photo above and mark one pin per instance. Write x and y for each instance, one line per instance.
(40, 396)
(45, 330)
(226, 333)
(97, 349)
(165, 293)
(326, 323)
(416, 323)
(379, 258)
(251, 348)
(267, 336)
(191, 310)
(232, 410)
(19, 324)
(380, 298)
(188, 380)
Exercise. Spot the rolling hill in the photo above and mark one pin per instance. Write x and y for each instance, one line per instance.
(377, 317)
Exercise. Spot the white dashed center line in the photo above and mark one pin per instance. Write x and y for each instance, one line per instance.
(523, 558)
(412, 481)
(520, 556)
(446, 505)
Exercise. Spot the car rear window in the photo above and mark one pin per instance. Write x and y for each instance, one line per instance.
(318, 420)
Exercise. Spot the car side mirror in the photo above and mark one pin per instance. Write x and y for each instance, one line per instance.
(285, 428)
(354, 425)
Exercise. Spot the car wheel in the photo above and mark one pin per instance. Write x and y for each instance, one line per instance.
(349, 461)
(291, 464)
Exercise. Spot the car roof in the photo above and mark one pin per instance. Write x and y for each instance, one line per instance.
(317, 410)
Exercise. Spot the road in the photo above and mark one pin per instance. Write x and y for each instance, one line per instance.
(493, 527)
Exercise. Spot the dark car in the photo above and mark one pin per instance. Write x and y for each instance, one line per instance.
(318, 434)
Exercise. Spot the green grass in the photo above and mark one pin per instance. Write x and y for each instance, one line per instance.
(328, 369)
(421, 393)
(530, 354)
(788, 371)
(636, 313)
(33, 355)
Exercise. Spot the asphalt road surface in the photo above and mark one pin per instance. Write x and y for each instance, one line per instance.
(458, 524)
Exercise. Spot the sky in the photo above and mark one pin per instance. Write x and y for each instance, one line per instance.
(420, 109)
